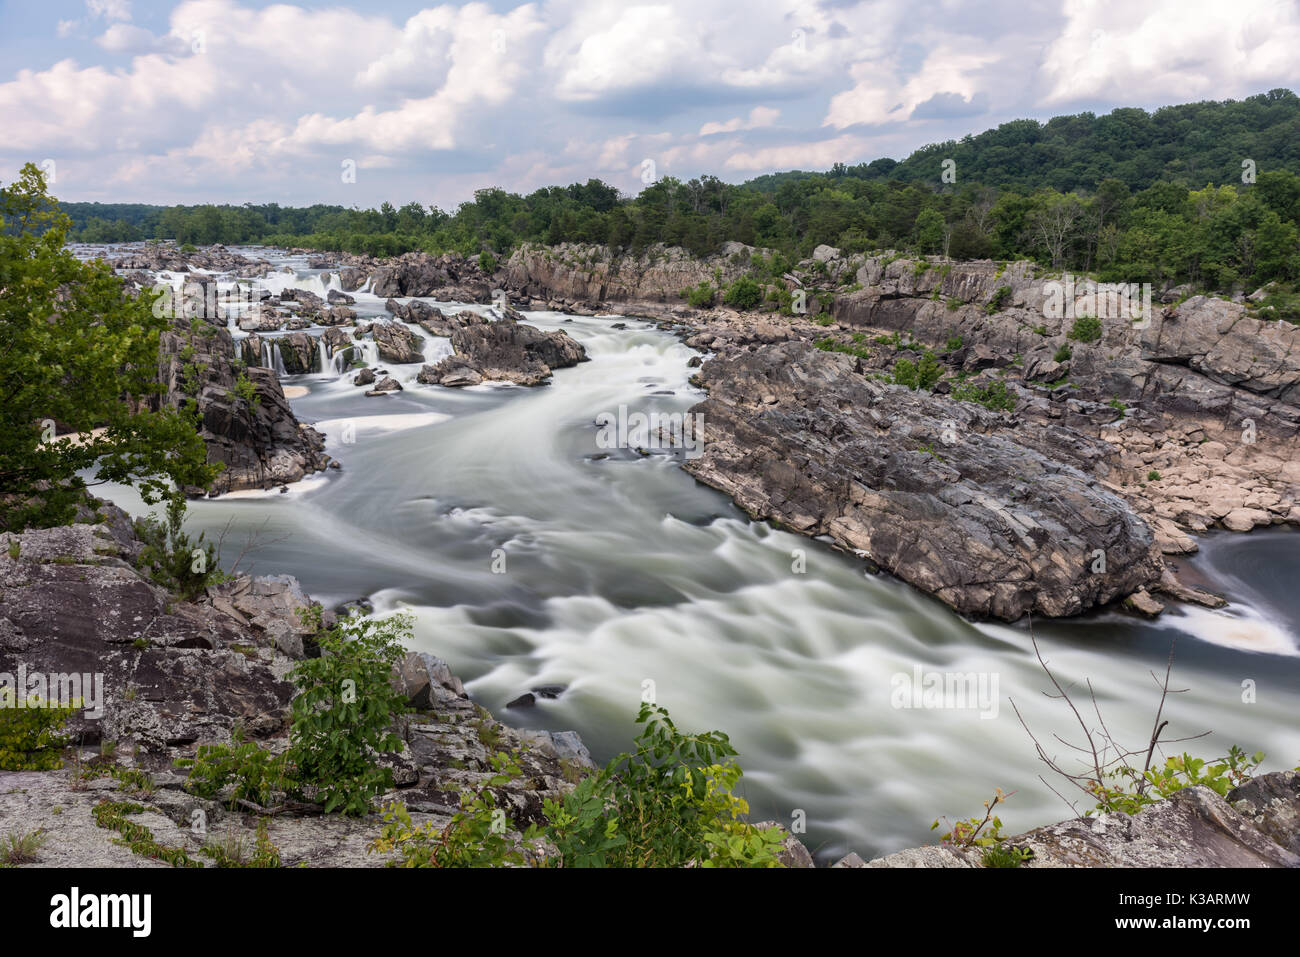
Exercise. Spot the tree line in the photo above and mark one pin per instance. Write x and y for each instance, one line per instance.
(1201, 193)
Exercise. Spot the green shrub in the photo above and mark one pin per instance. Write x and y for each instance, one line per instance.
(664, 804)
(1136, 790)
(701, 296)
(995, 395)
(1085, 329)
(487, 262)
(257, 775)
(954, 343)
(918, 375)
(344, 712)
(171, 557)
(342, 720)
(744, 293)
(32, 738)
(1062, 354)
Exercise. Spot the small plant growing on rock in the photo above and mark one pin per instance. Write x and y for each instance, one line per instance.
(999, 299)
(21, 847)
(32, 737)
(1085, 329)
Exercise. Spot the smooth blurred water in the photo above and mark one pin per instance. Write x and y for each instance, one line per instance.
(623, 569)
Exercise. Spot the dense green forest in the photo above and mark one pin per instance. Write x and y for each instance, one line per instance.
(1202, 193)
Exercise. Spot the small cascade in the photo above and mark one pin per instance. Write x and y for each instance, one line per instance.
(322, 355)
(342, 360)
(271, 357)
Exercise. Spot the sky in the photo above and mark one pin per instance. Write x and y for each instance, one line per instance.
(364, 102)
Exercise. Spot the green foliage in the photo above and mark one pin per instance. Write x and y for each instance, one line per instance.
(701, 296)
(664, 804)
(247, 392)
(1153, 476)
(477, 836)
(115, 816)
(744, 293)
(487, 262)
(32, 738)
(994, 395)
(954, 343)
(918, 375)
(1085, 329)
(1062, 354)
(172, 558)
(1118, 405)
(830, 345)
(77, 345)
(342, 721)
(344, 712)
(986, 833)
(253, 773)
(1135, 790)
(999, 299)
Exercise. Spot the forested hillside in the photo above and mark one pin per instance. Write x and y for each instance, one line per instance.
(1129, 195)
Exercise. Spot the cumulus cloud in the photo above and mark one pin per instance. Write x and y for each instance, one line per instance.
(1172, 49)
(227, 99)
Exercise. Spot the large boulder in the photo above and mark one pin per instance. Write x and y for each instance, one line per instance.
(945, 495)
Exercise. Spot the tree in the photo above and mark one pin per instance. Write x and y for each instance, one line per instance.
(77, 355)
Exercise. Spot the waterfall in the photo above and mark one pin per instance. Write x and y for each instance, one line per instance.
(322, 355)
(271, 357)
(342, 360)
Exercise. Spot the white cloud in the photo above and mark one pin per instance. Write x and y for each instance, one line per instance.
(237, 100)
(759, 116)
(1177, 50)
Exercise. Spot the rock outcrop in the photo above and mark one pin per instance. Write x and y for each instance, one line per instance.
(944, 495)
(259, 443)
(504, 350)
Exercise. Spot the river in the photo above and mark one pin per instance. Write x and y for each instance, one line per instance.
(529, 556)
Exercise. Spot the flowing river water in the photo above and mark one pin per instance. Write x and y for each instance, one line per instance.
(530, 556)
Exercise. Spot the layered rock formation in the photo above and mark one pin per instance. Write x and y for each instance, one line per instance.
(944, 495)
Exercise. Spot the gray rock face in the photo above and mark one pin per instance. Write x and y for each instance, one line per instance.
(259, 445)
(1271, 803)
(396, 343)
(1258, 826)
(511, 351)
(944, 495)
